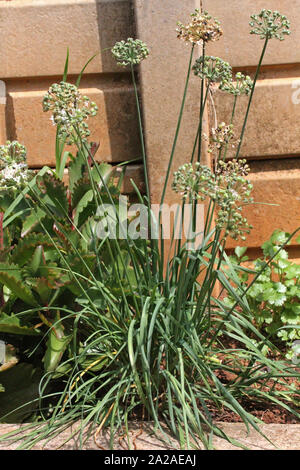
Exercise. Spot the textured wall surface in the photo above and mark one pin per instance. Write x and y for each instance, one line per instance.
(272, 138)
(35, 34)
(34, 38)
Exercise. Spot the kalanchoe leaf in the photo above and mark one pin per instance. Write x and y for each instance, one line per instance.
(130, 52)
(270, 24)
(13, 325)
(202, 28)
(56, 192)
(213, 69)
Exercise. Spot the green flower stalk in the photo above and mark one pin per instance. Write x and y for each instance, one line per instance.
(130, 52)
(270, 24)
(202, 28)
(267, 25)
(213, 69)
(70, 110)
(194, 182)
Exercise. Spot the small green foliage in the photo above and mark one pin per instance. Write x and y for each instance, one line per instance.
(274, 297)
(12, 152)
(270, 24)
(130, 52)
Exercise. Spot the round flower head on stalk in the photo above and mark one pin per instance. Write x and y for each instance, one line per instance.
(220, 137)
(227, 187)
(70, 110)
(202, 28)
(241, 86)
(270, 24)
(212, 68)
(233, 192)
(130, 52)
(14, 172)
(193, 182)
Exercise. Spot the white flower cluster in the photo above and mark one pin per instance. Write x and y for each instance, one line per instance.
(130, 52)
(227, 187)
(202, 28)
(14, 172)
(70, 110)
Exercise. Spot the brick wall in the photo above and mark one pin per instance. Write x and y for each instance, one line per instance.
(272, 139)
(35, 34)
(34, 37)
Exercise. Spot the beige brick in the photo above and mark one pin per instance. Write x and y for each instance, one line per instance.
(277, 200)
(35, 35)
(242, 49)
(115, 125)
(271, 128)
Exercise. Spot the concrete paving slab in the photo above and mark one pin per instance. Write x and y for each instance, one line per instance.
(141, 437)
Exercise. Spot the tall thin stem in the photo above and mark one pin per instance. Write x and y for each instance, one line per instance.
(199, 126)
(178, 126)
(145, 167)
(201, 108)
(141, 135)
(231, 122)
(251, 96)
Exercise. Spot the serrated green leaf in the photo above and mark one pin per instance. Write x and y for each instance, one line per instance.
(32, 221)
(11, 269)
(18, 288)
(83, 204)
(56, 192)
(24, 250)
(81, 187)
(11, 324)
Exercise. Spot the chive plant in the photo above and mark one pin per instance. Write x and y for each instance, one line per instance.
(150, 340)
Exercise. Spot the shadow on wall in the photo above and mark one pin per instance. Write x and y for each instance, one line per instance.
(116, 22)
